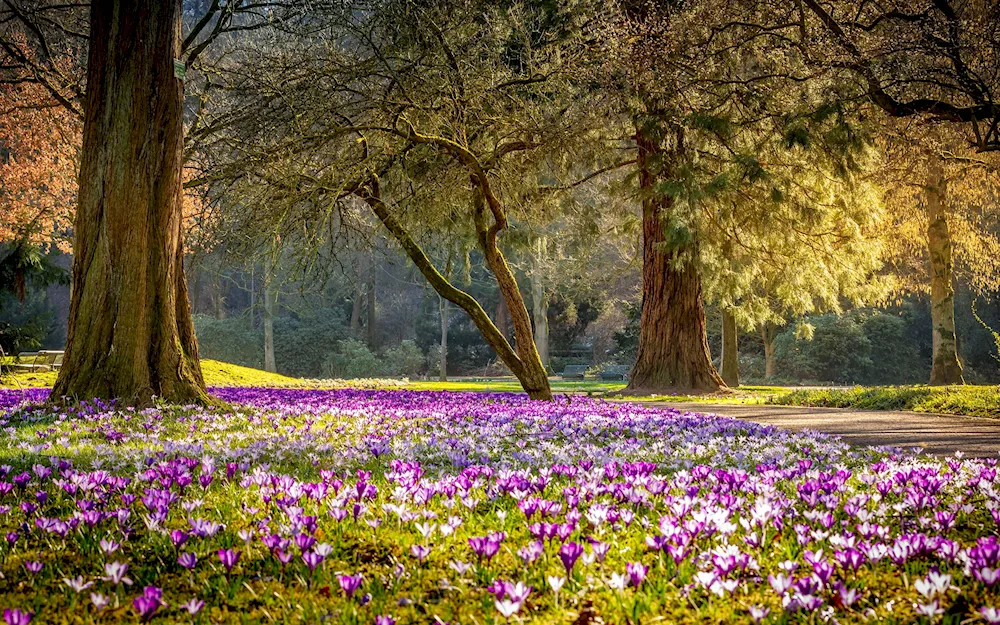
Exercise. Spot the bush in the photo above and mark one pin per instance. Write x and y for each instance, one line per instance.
(405, 360)
(352, 359)
(302, 343)
(838, 351)
(231, 340)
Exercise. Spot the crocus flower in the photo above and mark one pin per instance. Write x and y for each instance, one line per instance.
(115, 573)
(349, 584)
(990, 615)
(420, 552)
(13, 616)
(384, 620)
(636, 572)
(555, 583)
(193, 606)
(148, 602)
(312, 560)
(188, 560)
(100, 601)
(507, 608)
(33, 566)
(77, 584)
(569, 553)
(229, 558)
(758, 613)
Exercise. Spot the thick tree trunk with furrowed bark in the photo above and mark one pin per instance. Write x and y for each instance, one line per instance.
(130, 331)
(673, 345)
(730, 361)
(945, 368)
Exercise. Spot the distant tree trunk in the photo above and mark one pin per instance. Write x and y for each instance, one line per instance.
(540, 303)
(269, 305)
(130, 332)
(372, 316)
(443, 309)
(673, 344)
(194, 293)
(359, 293)
(945, 368)
(730, 350)
(768, 332)
(218, 300)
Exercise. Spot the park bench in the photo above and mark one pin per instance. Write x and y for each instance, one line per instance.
(615, 372)
(574, 372)
(44, 360)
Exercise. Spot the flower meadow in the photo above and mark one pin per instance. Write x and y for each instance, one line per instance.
(382, 507)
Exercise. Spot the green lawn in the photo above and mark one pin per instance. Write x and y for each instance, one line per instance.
(973, 401)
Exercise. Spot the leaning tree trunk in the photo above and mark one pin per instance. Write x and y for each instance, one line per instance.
(529, 373)
(730, 350)
(130, 332)
(673, 344)
(945, 368)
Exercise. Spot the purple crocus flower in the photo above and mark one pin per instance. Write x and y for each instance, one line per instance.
(349, 584)
(13, 616)
(636, 572)
(569, 553)
(229, 558)
(148, 602)
(312, 560)
(420, 552)
(34, 567)
(384, 620)
(188, 560)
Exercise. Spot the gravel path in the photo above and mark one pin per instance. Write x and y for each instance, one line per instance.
(936, 434)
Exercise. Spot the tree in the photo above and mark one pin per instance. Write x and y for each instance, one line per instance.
(424, 117)
(130, 330)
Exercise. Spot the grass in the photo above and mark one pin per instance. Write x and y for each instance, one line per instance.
(972, 401)
(216, 374)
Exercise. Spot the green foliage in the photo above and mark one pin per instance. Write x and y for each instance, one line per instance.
(352, 359)
(231, 340)
(838, 352)
(845, 349)
(405, 360)
(302, 343)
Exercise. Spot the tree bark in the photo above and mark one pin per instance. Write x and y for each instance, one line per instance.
(673, 353)
(768, 332)
(945, 368)
(130, 332)
(269, 305)
(533, 376)
(730, 350)
(540, 304)
(443, 309)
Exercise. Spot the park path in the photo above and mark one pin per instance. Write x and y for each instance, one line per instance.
(936, 434)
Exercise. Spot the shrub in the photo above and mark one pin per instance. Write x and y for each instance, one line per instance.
(231, 340)
(406, 359)
(352, 359)
(838, 351)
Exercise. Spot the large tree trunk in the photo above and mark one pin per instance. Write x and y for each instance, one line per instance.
(269, 304)
(673, 344)
(945, 368)
(130, 331)
(768, 332)
(540, 303)
(730, 350)
(443, 309)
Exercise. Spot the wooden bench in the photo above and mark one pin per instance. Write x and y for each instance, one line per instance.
(574, 372)
(44, 360)
(615, 372)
